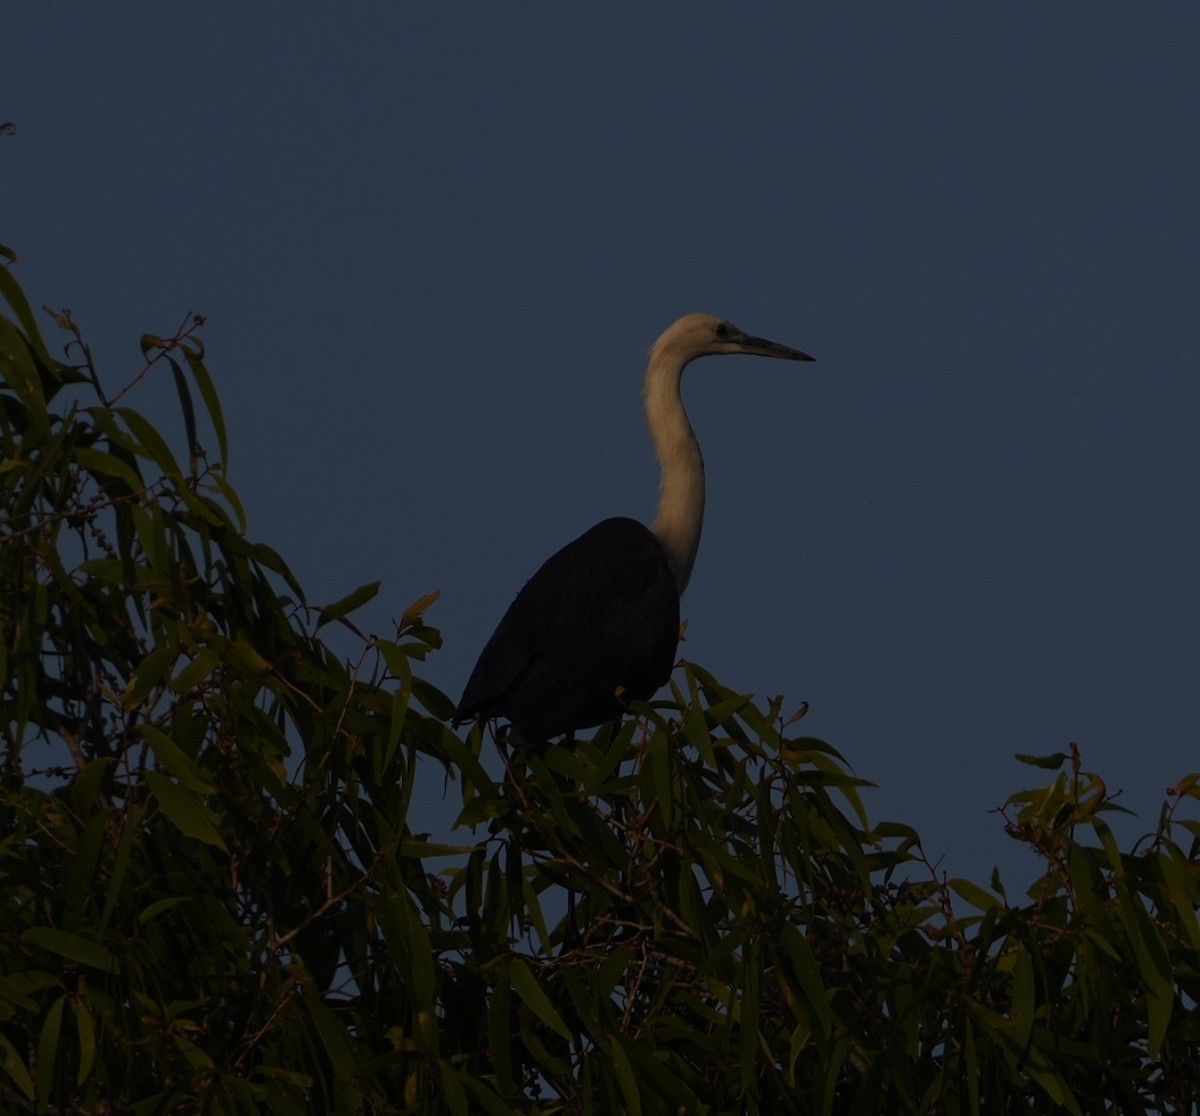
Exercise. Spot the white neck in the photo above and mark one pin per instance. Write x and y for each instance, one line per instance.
(681, 493)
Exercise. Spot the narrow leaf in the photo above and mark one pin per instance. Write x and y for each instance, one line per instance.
(348, 603)
(417, 848)
(499, 1029)
(418, 606)
(184, 810)
(174, 761)
(185, 405)
(97, 462)
(72, 947)
(452, 1090)
(1050, 763)
(156, 908)
(47, 1050)
(12, 293)
(977, 896)
(152, 671)
(86, 1029)
(624, 1075)
(527, 987)
(209, 394)
(10, 991)
(152, 442)
(10, 1062)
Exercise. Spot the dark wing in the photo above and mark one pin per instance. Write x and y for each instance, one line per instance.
(601, 615)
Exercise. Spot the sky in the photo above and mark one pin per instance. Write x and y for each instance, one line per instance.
(434, 243)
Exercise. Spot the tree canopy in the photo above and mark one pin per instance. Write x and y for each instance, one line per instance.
(211, 900)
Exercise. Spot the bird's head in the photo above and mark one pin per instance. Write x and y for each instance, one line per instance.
(697, 335)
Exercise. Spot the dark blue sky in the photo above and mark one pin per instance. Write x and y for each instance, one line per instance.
(434, 245)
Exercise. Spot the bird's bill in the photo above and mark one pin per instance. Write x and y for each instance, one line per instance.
(760, 346)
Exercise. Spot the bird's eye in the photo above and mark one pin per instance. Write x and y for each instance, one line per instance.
(722, 329)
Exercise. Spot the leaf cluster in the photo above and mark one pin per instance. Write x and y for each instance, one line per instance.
(211, 900)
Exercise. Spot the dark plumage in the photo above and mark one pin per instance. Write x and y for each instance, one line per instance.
(598, 624)
(601, 615)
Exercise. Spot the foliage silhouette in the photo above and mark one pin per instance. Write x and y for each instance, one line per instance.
(210, 900)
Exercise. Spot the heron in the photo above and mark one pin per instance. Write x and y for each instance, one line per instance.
(597, 627)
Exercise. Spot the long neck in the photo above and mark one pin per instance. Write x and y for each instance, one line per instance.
(681, 494)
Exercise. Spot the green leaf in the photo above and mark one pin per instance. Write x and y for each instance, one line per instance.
(211, 400)
(485, 1095)
(695, 732)
(86, 785)
(152, 442)
(978, 897)
(1050, 763)
(408, 939)
(972, 1061)
(12, 293)
(72, 947)
(658, 760)
(157, 907)
(432, 700)
(184, 810)
(185, 405)
(1023, 999)
(1153, 963)
(196, 672)
(86, 1030)
(526, 986)
(1189, 785)
(10, 991)
(153, 671)
(99, 463)
(174, 761)
(418, 606)
(131, 825)
(47, 1051)
(10, 1062)
(500, 1036)
(748, 1010)
(243, 655)
(19, 374)
(416, 847)
(1183, 890)
(337, 1042)
(230, 497)
(348, 603)
(624, 1074)
(807, 971)
(452, 1090)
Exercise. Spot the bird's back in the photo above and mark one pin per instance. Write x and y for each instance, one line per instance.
(601, 615)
